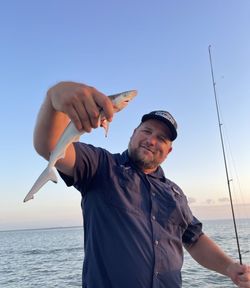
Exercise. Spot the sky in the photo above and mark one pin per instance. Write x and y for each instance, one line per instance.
(159, 48)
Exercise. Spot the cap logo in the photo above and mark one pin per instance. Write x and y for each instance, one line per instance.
(166, 116)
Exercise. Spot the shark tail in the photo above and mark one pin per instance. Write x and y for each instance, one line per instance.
(48, 174)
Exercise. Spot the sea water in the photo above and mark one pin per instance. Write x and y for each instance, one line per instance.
(53, 258)
(222, 232)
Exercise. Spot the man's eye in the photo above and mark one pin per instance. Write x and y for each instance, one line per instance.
(163, 139)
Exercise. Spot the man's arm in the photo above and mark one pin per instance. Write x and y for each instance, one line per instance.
(64, 102)
(208, 254)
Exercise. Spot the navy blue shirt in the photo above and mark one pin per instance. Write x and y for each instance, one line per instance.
(135, 224)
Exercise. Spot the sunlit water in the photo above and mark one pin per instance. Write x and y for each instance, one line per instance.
(53, 257)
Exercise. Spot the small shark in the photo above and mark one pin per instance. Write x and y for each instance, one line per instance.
(70, 135)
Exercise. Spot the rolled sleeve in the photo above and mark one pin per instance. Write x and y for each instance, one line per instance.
(192, 233)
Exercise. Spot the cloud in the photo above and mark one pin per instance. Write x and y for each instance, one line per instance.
(210, 201)
(191, 200)
(223, 200)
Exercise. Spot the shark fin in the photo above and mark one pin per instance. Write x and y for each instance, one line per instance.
(48, 174)
(105, 125)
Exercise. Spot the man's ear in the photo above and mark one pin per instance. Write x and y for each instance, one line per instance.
(170, 149)
(134, 132)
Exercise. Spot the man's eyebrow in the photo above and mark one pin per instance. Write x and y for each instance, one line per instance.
(147, 127)
(165, 135)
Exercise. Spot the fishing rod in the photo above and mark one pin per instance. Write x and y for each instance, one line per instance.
(224, 155)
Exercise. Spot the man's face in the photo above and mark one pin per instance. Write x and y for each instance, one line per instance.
(150, 145)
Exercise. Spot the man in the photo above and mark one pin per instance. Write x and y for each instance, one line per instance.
(135, 220)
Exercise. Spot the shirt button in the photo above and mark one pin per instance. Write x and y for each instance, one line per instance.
(156, 273)
(153, 217)
(153, 194)
(156, 242)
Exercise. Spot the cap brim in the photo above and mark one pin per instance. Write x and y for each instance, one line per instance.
(165, 121)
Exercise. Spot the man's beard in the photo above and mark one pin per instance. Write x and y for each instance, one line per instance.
(143, 162)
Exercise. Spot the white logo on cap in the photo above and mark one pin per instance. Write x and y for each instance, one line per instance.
(167, 116)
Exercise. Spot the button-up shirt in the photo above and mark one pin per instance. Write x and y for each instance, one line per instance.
(135, 224)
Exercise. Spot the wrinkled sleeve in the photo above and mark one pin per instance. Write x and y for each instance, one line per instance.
(86, 166)
(192, 233)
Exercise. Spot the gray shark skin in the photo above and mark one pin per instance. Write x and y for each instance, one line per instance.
(70, 135)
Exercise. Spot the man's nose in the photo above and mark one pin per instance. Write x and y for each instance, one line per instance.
(151, 140)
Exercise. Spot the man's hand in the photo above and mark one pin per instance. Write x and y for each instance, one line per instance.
(81, 103)
(68, 101)
(240, 274)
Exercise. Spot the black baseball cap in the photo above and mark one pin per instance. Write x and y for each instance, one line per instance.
(166, 118)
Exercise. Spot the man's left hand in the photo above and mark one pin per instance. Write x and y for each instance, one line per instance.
(240, 274)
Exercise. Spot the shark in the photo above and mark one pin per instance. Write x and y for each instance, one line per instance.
(72, 134)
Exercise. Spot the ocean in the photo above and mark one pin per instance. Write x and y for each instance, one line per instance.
(53, 258)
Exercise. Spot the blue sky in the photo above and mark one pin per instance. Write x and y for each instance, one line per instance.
(159, 48)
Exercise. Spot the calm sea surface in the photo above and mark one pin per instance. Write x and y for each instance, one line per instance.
(53, 257)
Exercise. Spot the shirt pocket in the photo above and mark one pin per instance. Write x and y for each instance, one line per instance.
(178, 218)
(173, 214)
(123, 192)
